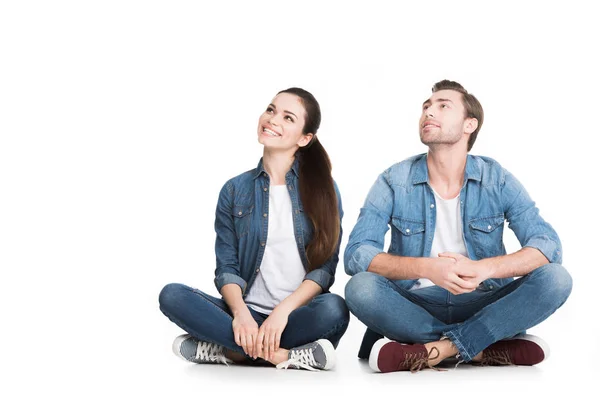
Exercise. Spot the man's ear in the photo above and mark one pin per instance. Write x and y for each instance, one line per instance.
(470, 125)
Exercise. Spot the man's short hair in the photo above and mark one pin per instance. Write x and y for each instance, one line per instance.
(472, 106)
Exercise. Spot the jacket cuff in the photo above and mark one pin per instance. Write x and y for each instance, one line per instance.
(361, 259)
(321, 278)
(227, 278)
(548, 247)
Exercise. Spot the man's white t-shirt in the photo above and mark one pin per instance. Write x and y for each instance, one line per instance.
(448, 236)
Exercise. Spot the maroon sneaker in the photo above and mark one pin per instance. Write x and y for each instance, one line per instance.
(389, 356)
(520, 350)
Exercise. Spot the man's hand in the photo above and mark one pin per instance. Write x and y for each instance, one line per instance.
(445, 272)
(468, 270)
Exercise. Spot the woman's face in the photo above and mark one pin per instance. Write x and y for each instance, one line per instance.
(280, 126)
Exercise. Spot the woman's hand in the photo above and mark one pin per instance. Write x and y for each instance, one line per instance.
(245, 331)
(269, 334)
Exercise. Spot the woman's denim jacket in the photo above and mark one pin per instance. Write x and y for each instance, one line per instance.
(402, 198)
(241, 223)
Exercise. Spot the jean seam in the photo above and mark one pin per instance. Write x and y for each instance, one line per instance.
(199, 293)
(461, 348)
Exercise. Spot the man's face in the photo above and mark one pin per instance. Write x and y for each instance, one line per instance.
(443, 119)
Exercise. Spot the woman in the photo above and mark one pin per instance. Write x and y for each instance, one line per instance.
(278, 236)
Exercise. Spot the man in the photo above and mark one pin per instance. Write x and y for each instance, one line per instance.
(445, 287)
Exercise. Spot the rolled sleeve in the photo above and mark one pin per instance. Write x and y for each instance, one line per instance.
(368, 236)
(226, 278)
(548, 247)
(525, 221)
(361, 259)
(321, 278)
(226, 244)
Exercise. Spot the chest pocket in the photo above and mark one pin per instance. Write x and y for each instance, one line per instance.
(242, 216)
(487, 236)
(407, 237)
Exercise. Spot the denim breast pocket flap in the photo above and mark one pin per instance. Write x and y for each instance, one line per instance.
(408, 227)
(488, 224)
(241, 210)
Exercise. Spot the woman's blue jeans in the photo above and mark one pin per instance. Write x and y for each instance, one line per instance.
(209, 318)
(473, 321)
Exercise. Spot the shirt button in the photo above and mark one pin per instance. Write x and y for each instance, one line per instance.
(489, 227)
(408, 231)
(239, 213)
(265, 215)
(431, 206)
(297, 211)
(258, 269)
(264, 174)
(263, 244)
(265, 189)
(491, 287)
(290, 187)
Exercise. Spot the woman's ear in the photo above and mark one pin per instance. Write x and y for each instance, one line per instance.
(305, 139)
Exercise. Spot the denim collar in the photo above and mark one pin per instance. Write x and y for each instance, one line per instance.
(420, 175)
(261, 169)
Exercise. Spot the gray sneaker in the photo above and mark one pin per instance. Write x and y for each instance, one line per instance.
(199, 352)
(319, 355)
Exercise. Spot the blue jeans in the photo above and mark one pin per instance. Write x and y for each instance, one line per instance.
(472, 321)
(209, 318)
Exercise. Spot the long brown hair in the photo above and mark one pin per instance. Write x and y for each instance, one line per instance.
(317, 190)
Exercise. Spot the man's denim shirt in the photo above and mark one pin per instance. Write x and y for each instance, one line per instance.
(242, 224)
(402, 198)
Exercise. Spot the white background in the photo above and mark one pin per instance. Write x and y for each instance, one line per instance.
(121, 120)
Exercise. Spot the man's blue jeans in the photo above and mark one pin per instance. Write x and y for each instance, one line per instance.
(473, 321)
(209, 318)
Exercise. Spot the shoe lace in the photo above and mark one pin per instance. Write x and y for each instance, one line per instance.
(416, 361)
(496, 357)
(302, 358)
(206, 351)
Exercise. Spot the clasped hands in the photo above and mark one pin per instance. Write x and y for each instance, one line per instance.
(457, 273)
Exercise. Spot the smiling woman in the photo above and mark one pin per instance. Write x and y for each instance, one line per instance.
(285, 212)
